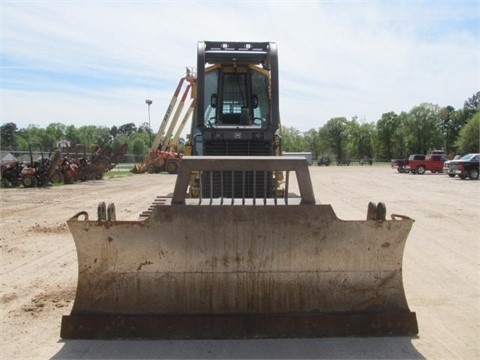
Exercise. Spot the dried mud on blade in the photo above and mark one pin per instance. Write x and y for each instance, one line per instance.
(289, 269)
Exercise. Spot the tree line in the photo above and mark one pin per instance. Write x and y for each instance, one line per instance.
(424, 128)
(18, 140)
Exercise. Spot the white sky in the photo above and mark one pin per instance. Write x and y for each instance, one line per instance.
(95, 62)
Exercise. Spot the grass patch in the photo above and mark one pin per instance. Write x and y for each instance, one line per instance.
(117, 174)
(56, 184)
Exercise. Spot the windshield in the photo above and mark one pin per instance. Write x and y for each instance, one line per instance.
(211, 84)
(474, 157)
(239, 97)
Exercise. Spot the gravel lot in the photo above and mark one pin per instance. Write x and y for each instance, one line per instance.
(441, 267)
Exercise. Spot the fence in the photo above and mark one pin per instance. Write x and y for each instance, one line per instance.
(24, 156)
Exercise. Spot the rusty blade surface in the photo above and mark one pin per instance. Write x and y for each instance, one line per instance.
(199, 262)
(242, 326)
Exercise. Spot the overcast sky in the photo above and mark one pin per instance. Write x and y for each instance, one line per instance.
(95, 62)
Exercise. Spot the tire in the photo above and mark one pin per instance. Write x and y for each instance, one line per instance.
(462, 176)
(421, 170)
(150, 169)
(5, 183)
(451, 175)
(56, 178)
(29, 181)
(172, 167)
(400, 170)
(473, 174)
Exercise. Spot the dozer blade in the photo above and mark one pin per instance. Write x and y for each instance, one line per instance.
(223, 268)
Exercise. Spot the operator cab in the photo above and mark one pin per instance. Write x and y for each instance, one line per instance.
(236, 97)
(237, 89)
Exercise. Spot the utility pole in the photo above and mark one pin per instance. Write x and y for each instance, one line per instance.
(149, 102)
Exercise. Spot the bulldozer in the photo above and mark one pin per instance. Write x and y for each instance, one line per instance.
(242, 248)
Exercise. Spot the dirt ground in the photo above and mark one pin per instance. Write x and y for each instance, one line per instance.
(440, 269)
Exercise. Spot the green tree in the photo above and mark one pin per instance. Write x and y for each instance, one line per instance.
(114, 132)
(333, 135)
(103, 136)
(7, 136)
(469, 137)
(139, 143)
(400, 148)
(424, 128)
(21, 140)
(352, 143)
(359, 139)
(448, 126)
(87, 135)
(144, 127)
(127, 129)
(138, 147)
(122, 139)
(366, 140)
(72, 135)
(54, 132)
(471, 105)
(292, 140)
(387, 128)
(456, 121)
(37, 137)
(312, 140)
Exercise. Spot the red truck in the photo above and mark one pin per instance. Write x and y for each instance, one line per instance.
(433, 162)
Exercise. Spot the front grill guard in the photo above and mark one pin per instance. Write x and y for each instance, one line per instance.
(240, 185)
(197, 164)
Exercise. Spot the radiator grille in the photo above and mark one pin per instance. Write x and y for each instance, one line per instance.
(237, 148)
(237, 184)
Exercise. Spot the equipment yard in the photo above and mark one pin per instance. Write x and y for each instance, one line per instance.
(440, 267)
